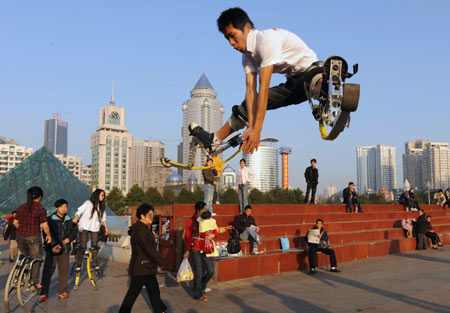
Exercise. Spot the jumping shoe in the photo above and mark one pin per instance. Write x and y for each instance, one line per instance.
(206, 139)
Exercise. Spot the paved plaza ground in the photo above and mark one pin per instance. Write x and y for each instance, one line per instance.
(417, 281)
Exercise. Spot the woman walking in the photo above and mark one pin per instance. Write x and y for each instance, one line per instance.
(144, 262)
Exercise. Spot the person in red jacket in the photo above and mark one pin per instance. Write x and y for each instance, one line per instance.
(202, 265)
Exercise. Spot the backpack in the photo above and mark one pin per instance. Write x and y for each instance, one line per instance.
(234, 245)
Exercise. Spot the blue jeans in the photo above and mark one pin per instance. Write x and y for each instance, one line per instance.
(250, 235)
(203, 267)
(209, 194)
(242, 194)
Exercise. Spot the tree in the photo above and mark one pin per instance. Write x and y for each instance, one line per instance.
(256, 196)
(135, 196)
(297, 195)
(152, 196)
(169, 196)
(198, 195)
(115, 200)
(185, 196)
(376, 198)
(229, 196)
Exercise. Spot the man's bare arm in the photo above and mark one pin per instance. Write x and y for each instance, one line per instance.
(250, 97)
(253, 133)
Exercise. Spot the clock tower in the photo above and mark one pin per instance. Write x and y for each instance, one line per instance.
(111, 146)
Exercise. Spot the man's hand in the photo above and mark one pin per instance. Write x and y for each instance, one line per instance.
(56, 249)
(251, 139)
(48, 239)
(75, 221)
(65, 241)
(186, 254)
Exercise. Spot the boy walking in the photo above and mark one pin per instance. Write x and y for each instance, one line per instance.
(63, 231)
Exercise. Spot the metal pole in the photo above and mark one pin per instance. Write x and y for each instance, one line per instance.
(428, 185)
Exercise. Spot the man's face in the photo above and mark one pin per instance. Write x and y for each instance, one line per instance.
(313, 164)
(62, 210)
(236, 37)
(319, 224)
(412, 190)
(428, 219)
(248, 212)
(420, 213)
(352, 186)
(242, 164)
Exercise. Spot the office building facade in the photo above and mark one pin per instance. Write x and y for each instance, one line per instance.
(55, 135)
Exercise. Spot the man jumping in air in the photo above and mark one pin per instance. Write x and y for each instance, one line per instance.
(264, 52)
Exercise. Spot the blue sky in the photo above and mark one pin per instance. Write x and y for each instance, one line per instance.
(61, 56)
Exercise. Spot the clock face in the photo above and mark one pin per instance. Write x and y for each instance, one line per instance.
(114, 115)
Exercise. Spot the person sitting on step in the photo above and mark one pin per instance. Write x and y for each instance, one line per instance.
(246, 226)
(435, 240)
(323, 246)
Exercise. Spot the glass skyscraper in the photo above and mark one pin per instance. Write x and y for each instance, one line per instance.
(55, 135)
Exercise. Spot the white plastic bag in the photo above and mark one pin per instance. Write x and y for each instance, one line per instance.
(185, 272)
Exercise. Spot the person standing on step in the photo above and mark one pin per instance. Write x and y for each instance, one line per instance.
(323, 246)
(420, 227)
(312, 179)
(244, 178)
(209, 182)
(91, 214)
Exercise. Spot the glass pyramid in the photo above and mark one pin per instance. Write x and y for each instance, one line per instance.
(42, 169)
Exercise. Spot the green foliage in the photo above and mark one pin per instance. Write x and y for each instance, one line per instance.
(169, 196)
(135, 196)
(115, 200)
(152, 196)
(185, 196)
(256, 197)
(230, 196)
(198, 195)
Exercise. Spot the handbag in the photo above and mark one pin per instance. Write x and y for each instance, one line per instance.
(233, 245)
(285, 246)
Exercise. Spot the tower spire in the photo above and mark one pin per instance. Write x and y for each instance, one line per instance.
(112, 102)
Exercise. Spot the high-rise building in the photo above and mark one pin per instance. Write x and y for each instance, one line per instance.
(329, 191)
(264, 165)
(55, 135)
(111, 146)
(73, 163)
(155, 176)
(143, 154)
(376, 168)
(427, 163)
(12, 155)
(228, 178)
(205, 110)
(86, 175)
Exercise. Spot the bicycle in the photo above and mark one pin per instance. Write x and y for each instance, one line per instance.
(92, 273)
(19, 281)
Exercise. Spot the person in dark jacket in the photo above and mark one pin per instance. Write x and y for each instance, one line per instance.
(322, 246)
(351, 198)
(10, 234)
(246, 226)
(210, 180)
(312, 179)
(420, 227)
(63, 231)
(435, 240)
(144, 262)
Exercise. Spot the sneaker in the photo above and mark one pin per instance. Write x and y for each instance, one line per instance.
(260, 240)
(77, 269)
(213, 214)
(202, 135)
(312, 271)
(64, 295)
(43, 298)
(440, 244)
(97, 268)
(207, 290)
(256, 252)
(201, 300)
(334, 270)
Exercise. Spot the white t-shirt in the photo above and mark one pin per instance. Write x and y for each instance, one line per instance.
(86, 222)
(278, 47)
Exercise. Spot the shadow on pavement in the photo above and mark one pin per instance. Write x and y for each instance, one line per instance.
(418, 303)
(243, 305)
(113, 309)
(290, 302)
(422, 257)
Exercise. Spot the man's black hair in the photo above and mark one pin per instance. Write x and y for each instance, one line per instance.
(248, 206)
(143, 209)
(243, 160)
(60, 202)
(428, 216)
(13, 212)
(440, 190)
(199, 205)
(350, 183)
(420, 210)
(313, 160)
(236, 17)
(319, 220)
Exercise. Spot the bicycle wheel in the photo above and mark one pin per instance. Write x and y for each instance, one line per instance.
(24, 292)
(10, 286)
